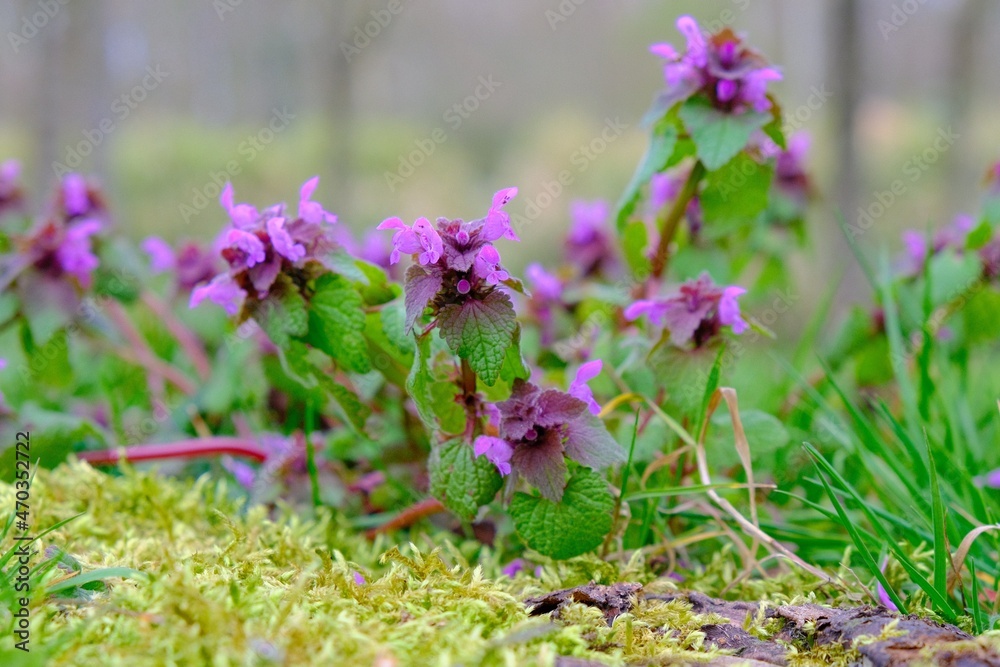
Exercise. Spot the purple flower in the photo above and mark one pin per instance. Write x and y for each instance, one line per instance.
(359, 578)
(497, 221)
(538, 430)
(261, 245)
(244, 473)
(729, 309)
(310, 211)
(695, 313)
(589, 243)
(161, 254)
(790, 175)
(488, 267)
(990, 479)
(496, 450)
(916, 246)
(732, 76)
(243, 216)
(457, 261)
(544, 285)
(11, 196)
(57, 248)
(420, 238)
(75, 198)
(223, 291)
(883, 595)
(579, 388)
(513, 567)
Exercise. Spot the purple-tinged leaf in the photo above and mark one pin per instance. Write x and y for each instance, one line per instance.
(480, 331)
(542, 464)
(422, 285)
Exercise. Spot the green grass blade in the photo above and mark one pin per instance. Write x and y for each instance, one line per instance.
(92, 576)
(859, 543)
(940, 538)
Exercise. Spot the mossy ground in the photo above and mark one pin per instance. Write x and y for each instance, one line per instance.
(228, 585)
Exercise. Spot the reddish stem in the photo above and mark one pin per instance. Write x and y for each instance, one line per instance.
(143, 354)
(185, 449)
(408, 517)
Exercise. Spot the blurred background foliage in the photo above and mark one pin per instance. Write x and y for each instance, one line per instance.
(369, 82)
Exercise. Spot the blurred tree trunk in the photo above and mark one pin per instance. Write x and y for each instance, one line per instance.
(847, 84)
(964, 176)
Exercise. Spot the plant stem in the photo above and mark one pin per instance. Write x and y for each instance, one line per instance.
(469, 391)
(311, 455)
(192, 346)
(668, 228)
(185, 449)
(468, 379)
(408, 517)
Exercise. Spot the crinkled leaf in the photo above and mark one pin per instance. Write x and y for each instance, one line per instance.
(517, 286)
(571, 527)
(461, 480)
(337, 322)
(297, 366)
(449, 412)
(422, 285)
(393, 319)
(588, 442)
(738, 192)
(718, 135)
(542, 464)
(661, 147)
(513, 363)
(352, 410)
(375, 289)
(480, 331)
(283, 314)
(420, 380)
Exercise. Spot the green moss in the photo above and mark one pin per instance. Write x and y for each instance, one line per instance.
(229, 585)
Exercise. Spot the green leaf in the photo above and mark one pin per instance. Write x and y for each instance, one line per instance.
(737, 192)
(283, 314)
(572, 527)
(375, 289)
(296, 364)
(661, 147)
(352, 410)
(418, 384)
(718, 135)
(480, 331)
(81, 580)
(635, 238)
(982, 317)
(764, 432)
(54, 436)
(393, 319)
(461, 480)
(337, 322)
(513, 363)
(979, 236)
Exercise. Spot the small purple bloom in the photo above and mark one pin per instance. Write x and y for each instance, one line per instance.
(733, 77)
(695, 313)
(729, 309)
(161, 254)
(513, 567)
(309, 210)
(283, 243)
(420, 238)
(497, 450)
(75, 254)
(11, 196)
(359, 578)
(992, 479)
(883, 595)
(544, 284)
(76, 201)
(250, 244)
(488, 267)
(243, 216)
(223, 291)
(244, 473)
(579, 388)
(497, 222)
(589, 243)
